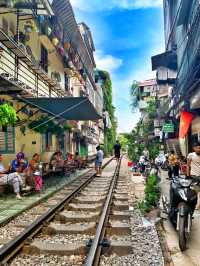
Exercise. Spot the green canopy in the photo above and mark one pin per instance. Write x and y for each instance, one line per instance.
(69, 108)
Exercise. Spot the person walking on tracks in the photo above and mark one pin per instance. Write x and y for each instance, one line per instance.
(99, 161)
(117, 150)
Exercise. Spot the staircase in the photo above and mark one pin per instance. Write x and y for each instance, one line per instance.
(174, 145)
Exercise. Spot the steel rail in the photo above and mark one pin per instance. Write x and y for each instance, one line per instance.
(9, 250)
(95, 249)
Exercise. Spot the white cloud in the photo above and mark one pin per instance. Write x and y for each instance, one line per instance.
(98, 5)
(107, 62)
(121, 88)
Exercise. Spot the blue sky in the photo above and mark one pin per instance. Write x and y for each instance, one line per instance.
(126, 34)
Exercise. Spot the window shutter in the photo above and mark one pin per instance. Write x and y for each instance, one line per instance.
(7, 140)
(10, 140)
(2, 142)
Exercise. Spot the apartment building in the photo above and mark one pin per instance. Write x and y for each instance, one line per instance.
(47, 71)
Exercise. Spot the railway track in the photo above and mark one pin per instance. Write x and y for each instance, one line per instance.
(93, 222)
(76, 215)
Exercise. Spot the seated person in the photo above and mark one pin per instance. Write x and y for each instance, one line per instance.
(32, 168)
(19, 164)
(57, 160)
(13, 179)
(34, 162)
(77, 159)
(60, 160)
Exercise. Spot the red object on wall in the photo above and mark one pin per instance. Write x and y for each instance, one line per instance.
(185, 122)
(130, 164)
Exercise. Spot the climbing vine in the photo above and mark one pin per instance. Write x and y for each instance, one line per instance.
(42, 126)
(109, 133)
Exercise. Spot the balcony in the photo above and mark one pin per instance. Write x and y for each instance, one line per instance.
(20, 72)
(189, 70)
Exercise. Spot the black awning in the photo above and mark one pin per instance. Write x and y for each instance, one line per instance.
(167, 59)
(69, 108)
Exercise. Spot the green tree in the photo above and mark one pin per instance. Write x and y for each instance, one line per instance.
(109, 133)
(123, 140)
(135, 95)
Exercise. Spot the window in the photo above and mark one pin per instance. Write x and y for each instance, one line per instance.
(46, 141)
(44, 58)
(7, 140)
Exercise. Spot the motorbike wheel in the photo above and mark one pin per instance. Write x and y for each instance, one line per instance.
(182, 233)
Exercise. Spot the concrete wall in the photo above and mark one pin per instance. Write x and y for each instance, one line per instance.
(30, 142)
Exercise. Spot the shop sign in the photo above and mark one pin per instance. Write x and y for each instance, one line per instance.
(168, 128)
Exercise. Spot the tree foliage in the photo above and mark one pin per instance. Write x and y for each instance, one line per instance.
(109, 134)
(7, 115)
(135, 95)
(138, 139)
(44, 125)
(123, 140)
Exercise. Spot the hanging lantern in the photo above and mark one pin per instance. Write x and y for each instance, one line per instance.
(66, 46)
(55, 41)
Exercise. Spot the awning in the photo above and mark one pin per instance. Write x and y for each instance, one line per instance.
(167, 59)
(69, 108)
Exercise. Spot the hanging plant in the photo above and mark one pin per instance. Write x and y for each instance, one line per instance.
(7, 115)
(42, 127)
(67, 128)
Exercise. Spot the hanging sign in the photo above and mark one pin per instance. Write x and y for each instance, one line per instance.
(168, 128)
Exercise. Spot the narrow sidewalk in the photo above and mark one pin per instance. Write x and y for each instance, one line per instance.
(191, 257)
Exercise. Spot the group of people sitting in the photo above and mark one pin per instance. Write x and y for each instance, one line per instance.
(26, 175)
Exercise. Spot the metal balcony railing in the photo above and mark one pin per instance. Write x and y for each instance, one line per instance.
(18, 68)
(189, 68)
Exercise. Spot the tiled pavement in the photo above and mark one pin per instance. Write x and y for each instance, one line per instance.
(10, 206)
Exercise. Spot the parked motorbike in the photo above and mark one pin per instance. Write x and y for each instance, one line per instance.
(183, 199)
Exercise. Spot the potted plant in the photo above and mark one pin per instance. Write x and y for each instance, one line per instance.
(7, 115)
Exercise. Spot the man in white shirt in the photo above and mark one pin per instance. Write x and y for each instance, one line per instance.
(193, 165)
(13, 179)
